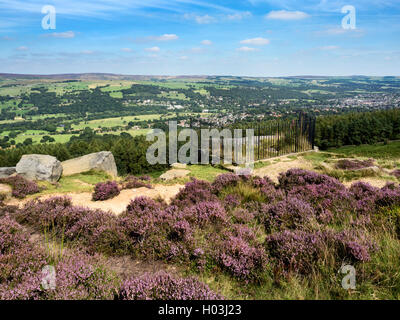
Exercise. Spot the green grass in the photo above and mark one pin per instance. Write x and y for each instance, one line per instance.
(82, 182)
(377, 151)
(205, 172)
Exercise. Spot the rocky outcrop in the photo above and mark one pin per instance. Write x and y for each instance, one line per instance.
(7, 171)
(174, 174)
(101, 161)
(178, 166)
(39, 167)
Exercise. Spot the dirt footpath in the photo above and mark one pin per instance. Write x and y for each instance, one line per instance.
(118, 204)
(273, 170)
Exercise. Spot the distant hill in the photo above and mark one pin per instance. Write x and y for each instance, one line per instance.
(111, 76)
(92, 76)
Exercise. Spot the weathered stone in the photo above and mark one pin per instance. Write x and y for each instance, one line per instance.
(174, 174)
(178, 165)
(7, 171)
(39, 167)
(100, 161)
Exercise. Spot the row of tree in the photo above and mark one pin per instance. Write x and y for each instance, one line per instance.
(129, 152)
(358, 128)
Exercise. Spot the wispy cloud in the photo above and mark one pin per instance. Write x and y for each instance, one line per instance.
(22, 48)
(256, 41)
(287, 15)
(126, 50)
(335, 31)
(153, 49)
(247, 49)
(206, 43)
(65, 35)
(165, 37)
(87, 52)
(239, 16)
(200, 19)
(329, 48)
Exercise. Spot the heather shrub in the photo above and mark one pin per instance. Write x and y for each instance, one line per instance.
(132, 182)
(291, 213)
(231, 201)
(105, 190)
(353, 246)
(271, 194)
(56, 213)
(296, 250)
(241, 215)
(347, 164)
(21, 187)
(365, 196)
(81, 277)
(389, 196)
(298, 177)
(224, 181)
(303, 251)
(163, 286)
(259, 182)
(194, 192)
(240, 259)
(331, 195)
(206, 213)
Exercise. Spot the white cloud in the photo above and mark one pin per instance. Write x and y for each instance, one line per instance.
(22, 48)
(6, 38)
(247, 49)
(287, 15)
(340, 31)
(328, 48)
(239, 15)
(206, 19)
(153, 49)
(206, 43)
(166, 37)
(126, 50)
(184, 58)
(65, 35)
(256, 41)
(87, 52)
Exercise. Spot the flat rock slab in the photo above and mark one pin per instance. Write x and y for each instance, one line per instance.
(174, 174)
(39, 167)
(178, 165)
(101, 161)
(5, 172)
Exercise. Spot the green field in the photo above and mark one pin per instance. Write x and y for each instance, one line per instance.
(378, 151)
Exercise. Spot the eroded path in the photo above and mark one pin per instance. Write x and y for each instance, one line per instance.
(118, 204)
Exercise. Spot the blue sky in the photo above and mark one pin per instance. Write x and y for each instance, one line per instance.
(201, 37)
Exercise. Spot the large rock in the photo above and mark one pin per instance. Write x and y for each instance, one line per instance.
(101, 161)
(39, 167)
(178, 166)
(7, 171)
